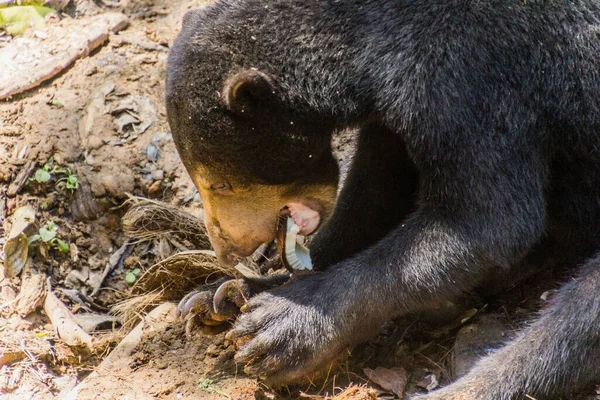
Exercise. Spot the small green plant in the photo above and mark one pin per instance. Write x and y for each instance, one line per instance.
(70, 181)
(56, 103)
(208, 385)
(43, 175)
(47, 235)
(64, 177)
(131, 276)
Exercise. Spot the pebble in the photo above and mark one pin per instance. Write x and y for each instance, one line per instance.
(476, 340)
(155, 187)
(158, 175)
(212, 350)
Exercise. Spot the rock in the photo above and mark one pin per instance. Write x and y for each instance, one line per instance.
(428, 382)
(109, 381)
(476, 340)
(97, 188)
(212, 350)
(84, 206)
(95, 142)
(158, 175)
(154, 188)
(76, 278)
(160, 363)
(96, 262)
(117, 184)
(95, 108)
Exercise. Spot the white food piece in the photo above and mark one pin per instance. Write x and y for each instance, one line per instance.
(246, 271)
(297, 255)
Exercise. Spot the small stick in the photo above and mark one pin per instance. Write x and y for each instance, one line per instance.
(113, 261)
(15, 186)
(64, 322)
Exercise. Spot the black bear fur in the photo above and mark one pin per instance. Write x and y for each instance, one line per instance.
(479, 139)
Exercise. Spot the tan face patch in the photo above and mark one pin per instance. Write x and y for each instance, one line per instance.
(240, 218)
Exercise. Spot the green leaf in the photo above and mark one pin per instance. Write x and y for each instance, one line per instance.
(136, 271)
(208, 385)
(72, 182)
(47, 234)
(41, 175)
(33, 239)
(58, 170)
(130, 278)
(205, 383)
(62, 246)
(56, 103)
(15, 20)
(49, 164)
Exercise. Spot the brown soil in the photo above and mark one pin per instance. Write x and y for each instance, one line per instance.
(104, 119)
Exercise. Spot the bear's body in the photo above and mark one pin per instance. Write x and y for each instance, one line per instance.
(479, 141)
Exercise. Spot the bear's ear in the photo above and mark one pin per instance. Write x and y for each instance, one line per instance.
(246, 90)
(192, 15)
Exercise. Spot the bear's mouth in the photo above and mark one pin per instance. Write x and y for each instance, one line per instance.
(306, 218)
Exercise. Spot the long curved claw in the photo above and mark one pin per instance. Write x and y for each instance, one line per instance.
(230, 296)
(210, 309)
(213, 307)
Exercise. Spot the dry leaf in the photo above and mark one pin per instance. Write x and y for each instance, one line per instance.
(90, 322)
(393, 379)
(16, 250)
(16, 247)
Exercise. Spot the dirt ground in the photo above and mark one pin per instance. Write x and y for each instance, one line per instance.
(103, 121)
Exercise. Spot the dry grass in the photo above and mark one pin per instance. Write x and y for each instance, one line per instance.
(352, 392)
(150, 219)
(168, 280)
(178, 274)
(130, 311)
(355, 392)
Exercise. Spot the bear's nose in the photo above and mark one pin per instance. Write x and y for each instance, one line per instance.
(227, 259)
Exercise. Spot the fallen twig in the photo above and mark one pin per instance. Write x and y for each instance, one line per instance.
(64, 322)
(21, 179)
(113, 261)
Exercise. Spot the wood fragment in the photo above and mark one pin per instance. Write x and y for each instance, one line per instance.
(84, 206)
(32, 290)
(22, 177)
(26, 63)
(64, 322)
(9, 357)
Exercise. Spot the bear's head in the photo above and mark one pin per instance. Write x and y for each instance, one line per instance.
(253, 151)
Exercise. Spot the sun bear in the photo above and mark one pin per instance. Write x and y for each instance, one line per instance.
(479, 140)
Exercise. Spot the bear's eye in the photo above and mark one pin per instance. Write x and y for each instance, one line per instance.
(219, 187)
